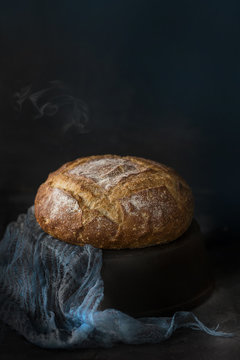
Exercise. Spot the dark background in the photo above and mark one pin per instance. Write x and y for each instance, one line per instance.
(160, 79)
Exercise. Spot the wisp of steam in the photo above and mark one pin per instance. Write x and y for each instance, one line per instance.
(49, 101)
(50, 292)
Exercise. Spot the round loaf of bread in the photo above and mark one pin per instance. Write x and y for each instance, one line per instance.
(114, 202)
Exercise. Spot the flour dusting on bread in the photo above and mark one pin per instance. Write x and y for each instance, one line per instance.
(59, 201)
(107, 172)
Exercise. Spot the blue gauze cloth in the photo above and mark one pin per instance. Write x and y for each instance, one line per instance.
(50, 292)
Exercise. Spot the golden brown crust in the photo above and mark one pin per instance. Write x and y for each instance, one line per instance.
(114, 202)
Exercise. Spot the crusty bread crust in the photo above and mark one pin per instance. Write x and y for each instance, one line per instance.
(114, 202)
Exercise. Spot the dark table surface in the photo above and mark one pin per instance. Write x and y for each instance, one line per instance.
(222, 307)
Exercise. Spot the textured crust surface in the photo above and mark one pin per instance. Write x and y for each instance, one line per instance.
(114, 202)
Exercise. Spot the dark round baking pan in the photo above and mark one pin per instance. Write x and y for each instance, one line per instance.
(158, 280)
